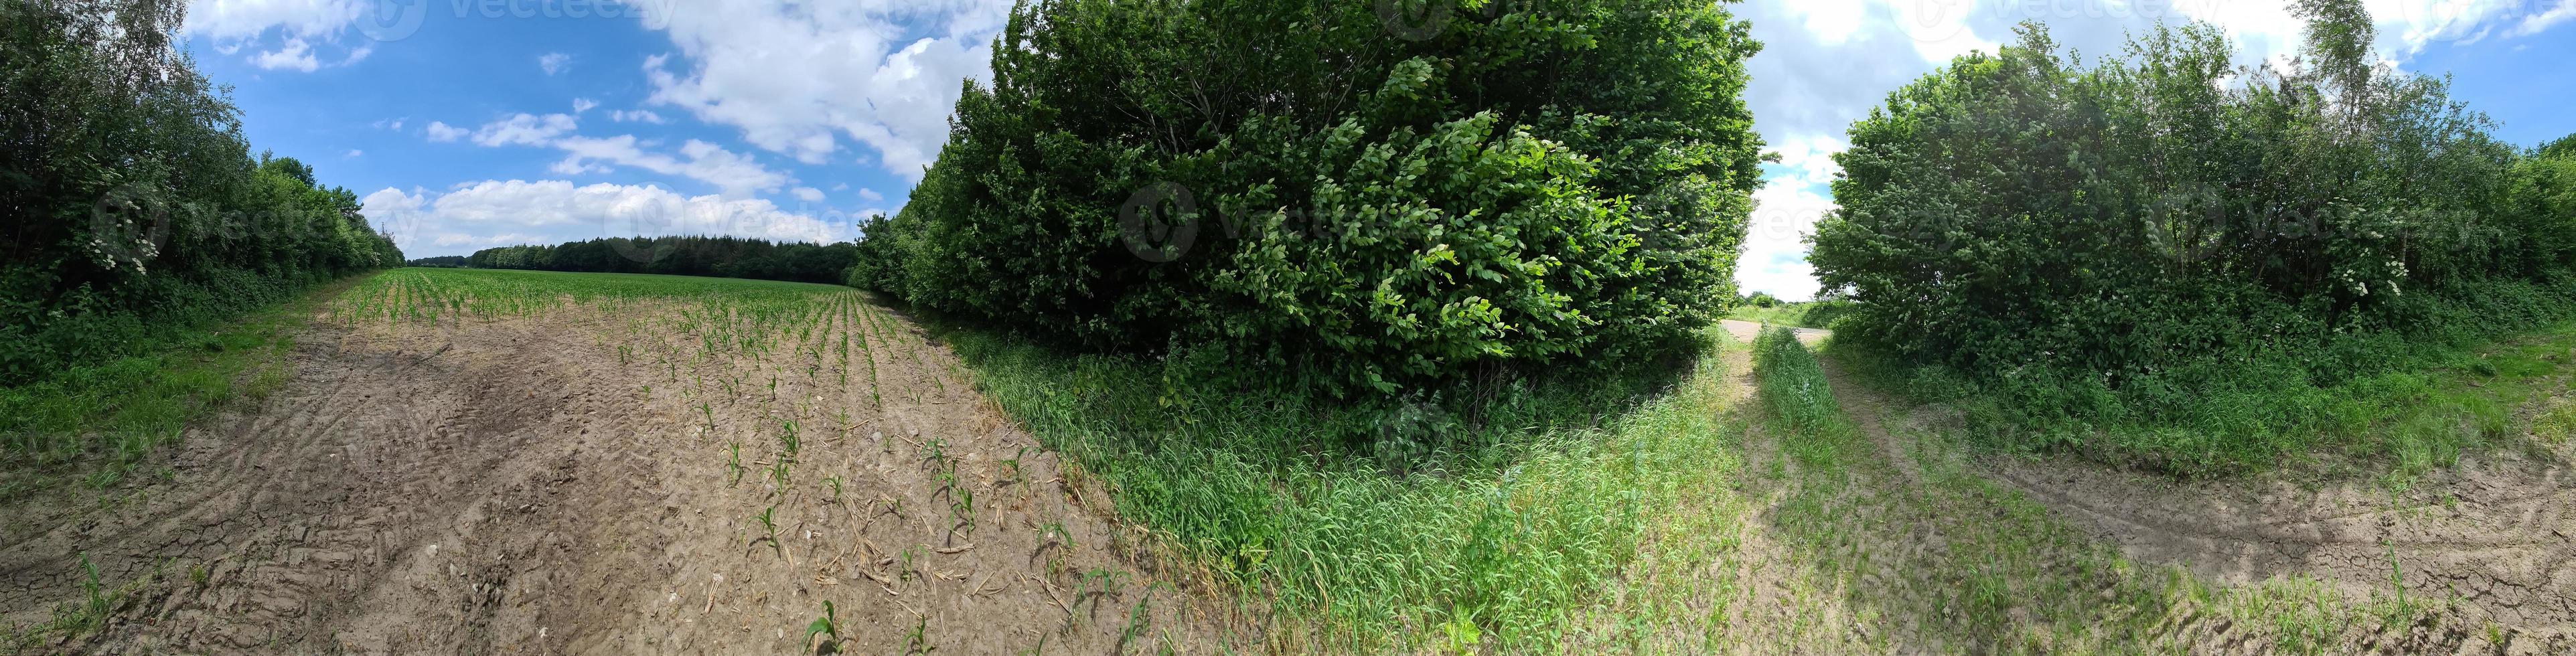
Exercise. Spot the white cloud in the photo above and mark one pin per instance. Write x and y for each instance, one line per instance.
(524, 130)
(294, 55)
(808, 194)
(355, 153)
(870, 195)
(636, 116)
(1775, 250)
(554, 62)
(242, 19)
(796, 78)
(580, 105)
(500, 213)
(442, 132)
(300, 28)
(736, 174)
(2565, 11)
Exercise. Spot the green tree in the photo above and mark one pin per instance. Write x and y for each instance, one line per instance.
(1385, 201)
(130, 197)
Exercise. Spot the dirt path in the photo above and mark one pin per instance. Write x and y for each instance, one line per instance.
(2485, 546)
(529, 485)
(2493, 533)
(1747, 331)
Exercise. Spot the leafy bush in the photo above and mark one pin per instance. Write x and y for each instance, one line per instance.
(1391, 201)
(2196, 250)
(134, 206)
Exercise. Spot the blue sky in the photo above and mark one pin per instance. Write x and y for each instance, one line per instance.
(465, 124)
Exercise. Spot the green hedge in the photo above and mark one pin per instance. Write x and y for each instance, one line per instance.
(2207, 254)
(1386, 201)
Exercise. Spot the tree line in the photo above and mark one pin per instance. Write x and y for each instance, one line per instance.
(132, 199)
(719, 257)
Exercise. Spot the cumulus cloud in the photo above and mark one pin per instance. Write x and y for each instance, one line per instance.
(736, 174)
(242, 19)
(636, 116)
(554, 62)
(297, 28)
(524, 130)
(808, 194)
(798, 78)
(501, 213)
(1784, 216)
(870, 195)
(580, 105)
(295, 55)
(2534, 24)
(442, 132)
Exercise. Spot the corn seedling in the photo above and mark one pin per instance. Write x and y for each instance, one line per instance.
(825, 632)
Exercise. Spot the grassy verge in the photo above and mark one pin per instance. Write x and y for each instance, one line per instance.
(95, 423)
(2394, 404)
(1513, 519)
(1933, 557)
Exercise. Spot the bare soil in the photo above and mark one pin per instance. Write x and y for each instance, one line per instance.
(520, 486)
(2492, 535)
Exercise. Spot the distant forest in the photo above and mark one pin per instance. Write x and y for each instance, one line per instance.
(444, 262)
(720, 257)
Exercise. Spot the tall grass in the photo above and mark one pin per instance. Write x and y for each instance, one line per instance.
(148, 375)
(2400, 402)
(1503, 518)
(1918, 536)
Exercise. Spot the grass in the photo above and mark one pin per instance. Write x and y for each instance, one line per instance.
(1811, 314)
(2397, 424)
(2005, 576)
(2393, 403)
(1660, 510)
(96, 423)
(1512, 517)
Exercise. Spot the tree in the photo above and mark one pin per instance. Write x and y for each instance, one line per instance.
(1383, 202)
(132, 200)
(2014, 210)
